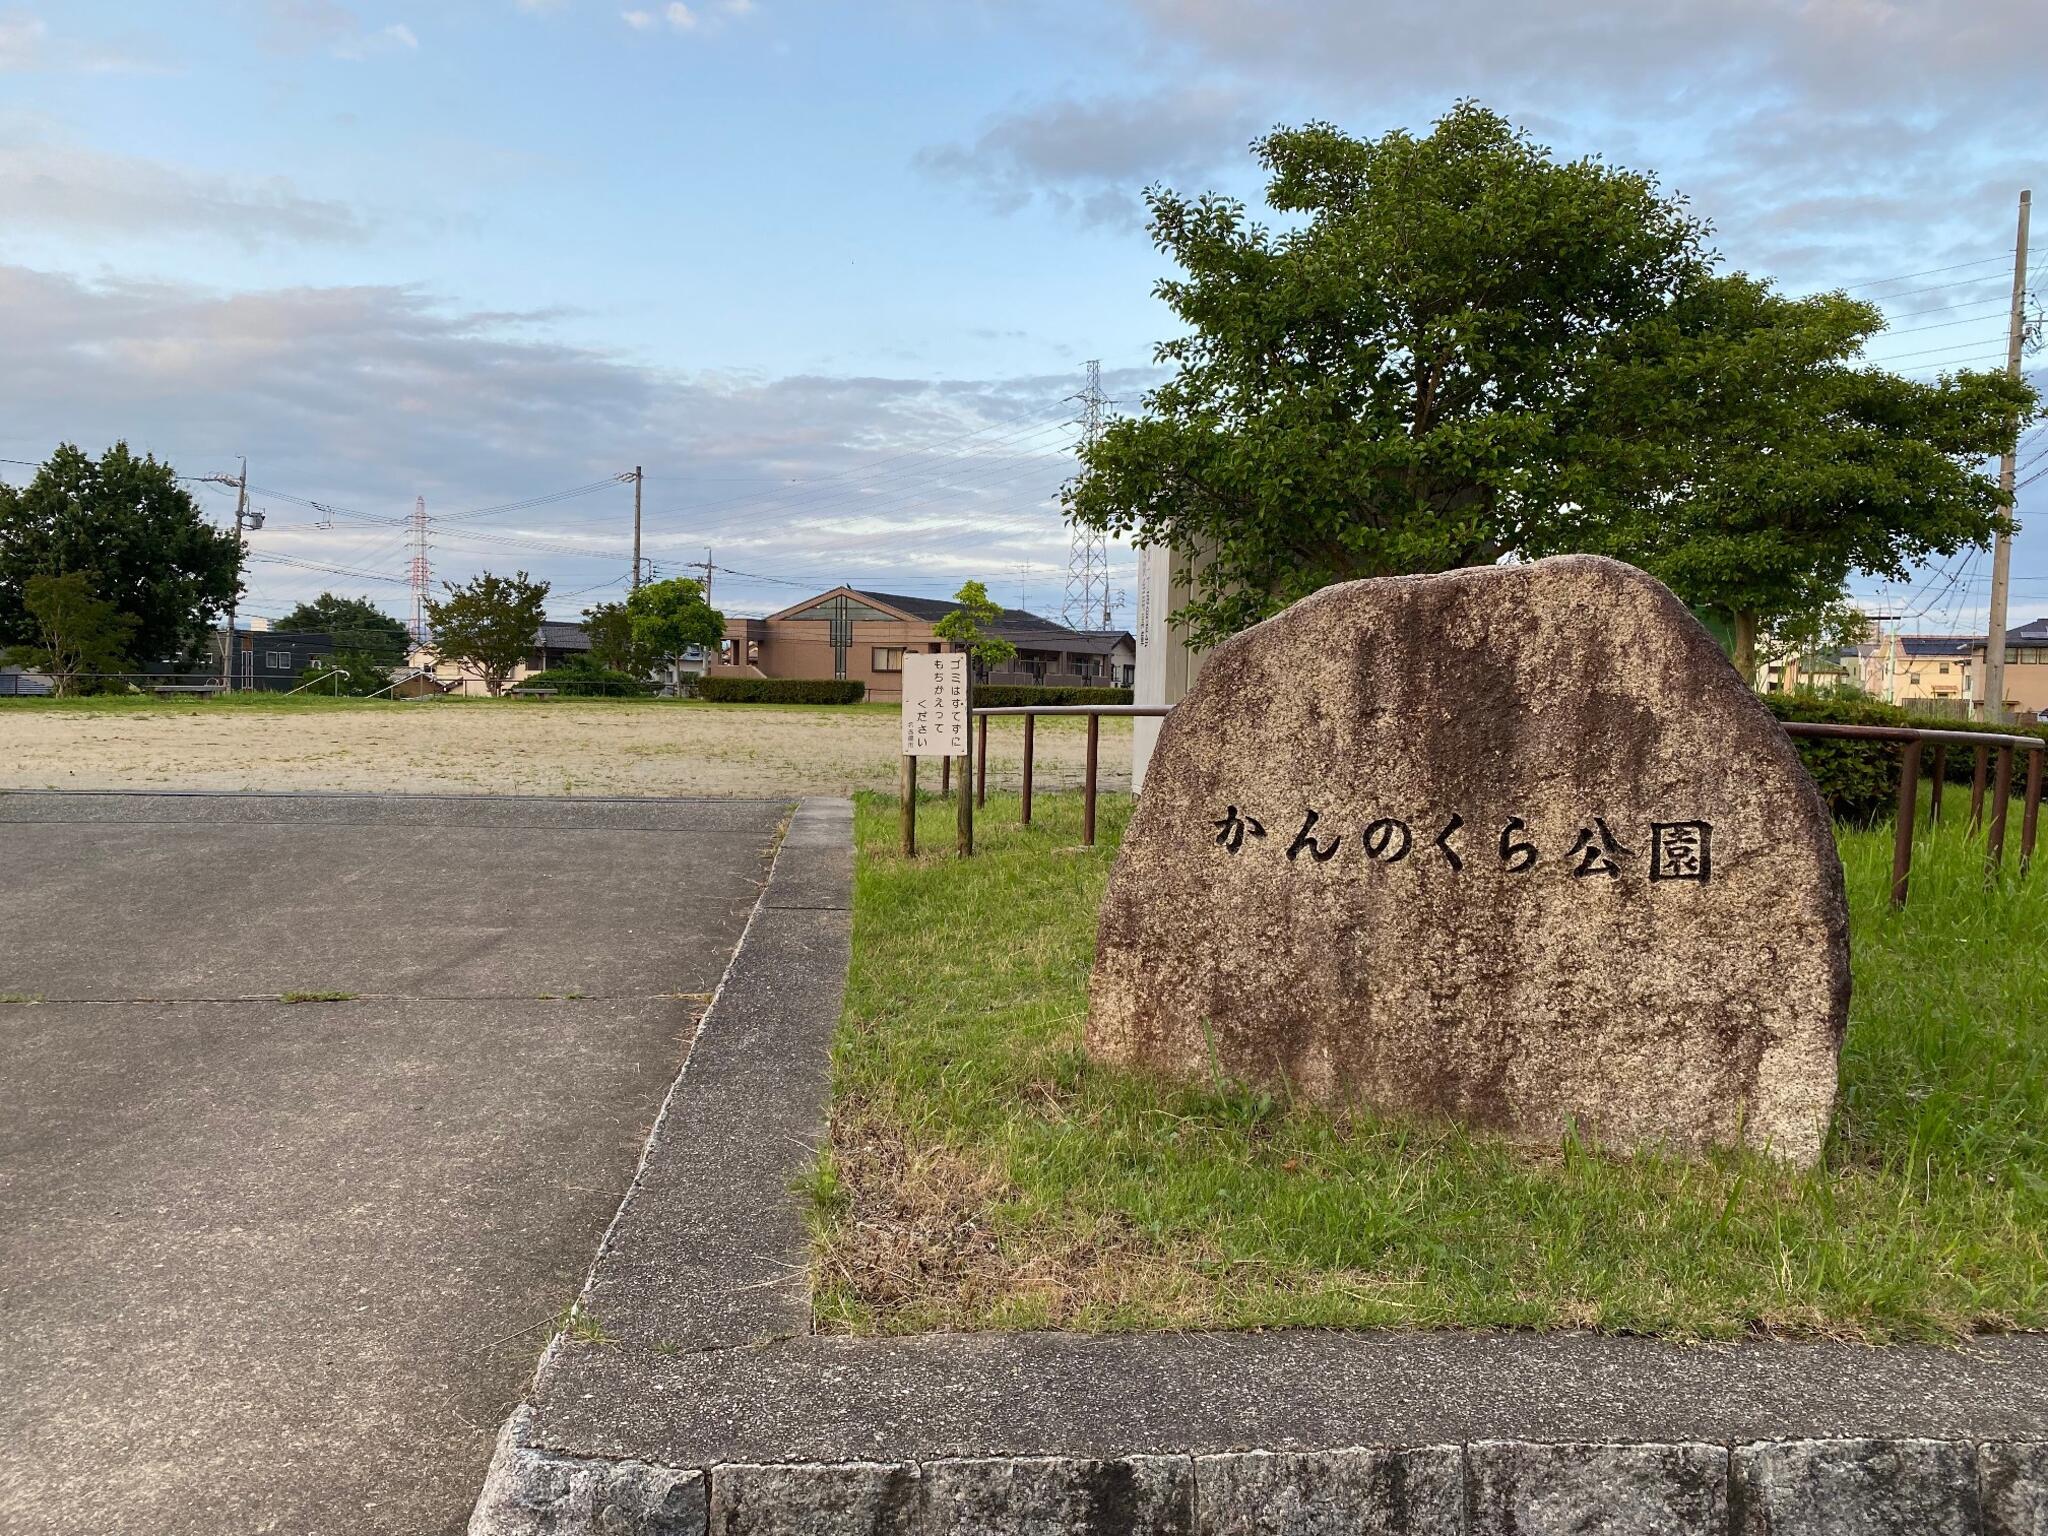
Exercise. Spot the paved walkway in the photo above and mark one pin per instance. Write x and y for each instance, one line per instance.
(270, 1267)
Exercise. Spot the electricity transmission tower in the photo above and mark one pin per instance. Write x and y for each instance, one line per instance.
(1088, 597)
(419, 572)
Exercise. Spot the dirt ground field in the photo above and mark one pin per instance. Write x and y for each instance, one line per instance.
(503, 747)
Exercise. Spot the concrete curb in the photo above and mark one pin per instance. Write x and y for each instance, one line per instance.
(709, 1407)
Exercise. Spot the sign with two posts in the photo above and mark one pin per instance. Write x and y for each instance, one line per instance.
(935, 690)
(938, 701)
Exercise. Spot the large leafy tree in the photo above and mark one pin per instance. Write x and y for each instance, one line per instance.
(1398, 379)
(612, 643)
(1749, 462)
(356, 623)
(1461, 349)
(967, 627)
(73, 632)
(488, 624)
(668, 617)
(129, 522)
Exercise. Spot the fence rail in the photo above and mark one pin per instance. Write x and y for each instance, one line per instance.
(1982, 743)
(1912, 738)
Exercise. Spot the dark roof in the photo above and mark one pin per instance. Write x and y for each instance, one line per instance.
(1015, 624)
(559, 636)
(1938, 645)
(1099, 642)
(2033, 632)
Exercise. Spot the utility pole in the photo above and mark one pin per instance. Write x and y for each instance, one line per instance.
(245, 520)
(2001, 545)
(638, 479)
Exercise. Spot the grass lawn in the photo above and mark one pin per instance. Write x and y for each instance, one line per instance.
(982, 1173)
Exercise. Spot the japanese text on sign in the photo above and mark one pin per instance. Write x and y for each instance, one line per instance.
(935, 705)
(1679, 850)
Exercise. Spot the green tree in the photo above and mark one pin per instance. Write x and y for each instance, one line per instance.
(612, 644)
(1400, 378)
(129, 522)
(350, 674)
(356, 623)
(966, 627)
(669, 617)
(488, 624)
(1754, 467)
(74, 632)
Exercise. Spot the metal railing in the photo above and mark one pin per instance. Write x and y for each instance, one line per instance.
(1093, 713)
(1983, 744)
(1911, 738)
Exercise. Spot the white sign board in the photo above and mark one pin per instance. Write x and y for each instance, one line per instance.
(935, 705)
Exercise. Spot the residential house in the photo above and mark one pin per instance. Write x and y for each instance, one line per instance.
(271, 660)
(554, 643)
(1932, 670)
(856, 634)
(2026, 668)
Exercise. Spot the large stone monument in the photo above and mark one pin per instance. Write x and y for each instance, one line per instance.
(1513, 846)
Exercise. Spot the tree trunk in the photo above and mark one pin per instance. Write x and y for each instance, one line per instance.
(1745, 644)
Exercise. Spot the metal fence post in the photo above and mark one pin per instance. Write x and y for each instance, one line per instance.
(1902, 828)
(1088, 783)
(2001, 796)
(1029, 721)
(1983, 756)
(2030, 818)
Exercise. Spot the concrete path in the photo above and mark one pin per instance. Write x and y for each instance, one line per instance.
(270, 1267)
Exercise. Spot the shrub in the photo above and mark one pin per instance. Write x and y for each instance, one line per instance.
(781, 690)
(1859, 780)
(363, 673)
(581, 680)
(1020, 695)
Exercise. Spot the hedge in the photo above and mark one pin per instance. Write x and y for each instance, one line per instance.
(1859, 780)
(1020, 695)
(574, 681)
(781, 690)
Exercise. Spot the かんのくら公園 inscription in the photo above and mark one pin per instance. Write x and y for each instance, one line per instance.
(1679, 850)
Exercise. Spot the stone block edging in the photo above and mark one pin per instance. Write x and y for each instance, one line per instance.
(708, 1409)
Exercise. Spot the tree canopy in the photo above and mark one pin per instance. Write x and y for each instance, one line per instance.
(966, 627)
(1755, 466)
(668, 617)
(612, 645)
(141, 535)
(1459, 348)
(356, 623)
(489, 624)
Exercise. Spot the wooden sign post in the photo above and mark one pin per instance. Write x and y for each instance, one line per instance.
(936, 702)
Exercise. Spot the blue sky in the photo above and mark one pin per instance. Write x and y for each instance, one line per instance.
(830, 271)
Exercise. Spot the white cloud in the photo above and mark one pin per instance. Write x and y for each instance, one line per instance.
(1092, 158)
(681, 17)
(22, 35)
(639, 21)
(367, 396)
(76, 190)
(327, 26)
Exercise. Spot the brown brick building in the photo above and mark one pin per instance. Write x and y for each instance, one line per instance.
(864, 636)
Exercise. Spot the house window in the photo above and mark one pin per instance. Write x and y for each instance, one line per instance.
(888, 658)
(1944, 669)
(1913, 678)
(278, 661)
